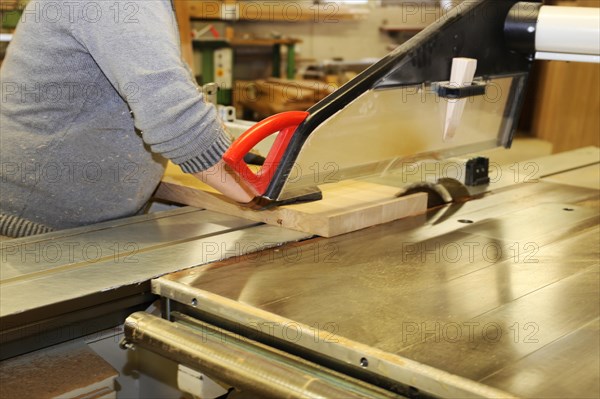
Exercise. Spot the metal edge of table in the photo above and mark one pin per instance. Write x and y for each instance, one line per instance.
(46, 302)
(412, 374)
(429, 379)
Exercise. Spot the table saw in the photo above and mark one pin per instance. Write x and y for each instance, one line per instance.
(491, 293)
(500, 299)
(497, 298)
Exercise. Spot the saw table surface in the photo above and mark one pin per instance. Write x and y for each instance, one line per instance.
(61, 285)
(493, 297)
(501, 290)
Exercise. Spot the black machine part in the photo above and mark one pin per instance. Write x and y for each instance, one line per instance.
(426, 58)
(520, 27)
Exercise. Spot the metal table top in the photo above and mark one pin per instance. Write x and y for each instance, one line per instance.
(57, 286)
(502, 290)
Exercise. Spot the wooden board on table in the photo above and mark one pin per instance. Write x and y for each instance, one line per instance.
(346, 206)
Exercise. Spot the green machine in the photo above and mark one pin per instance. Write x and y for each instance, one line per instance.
(217, 66)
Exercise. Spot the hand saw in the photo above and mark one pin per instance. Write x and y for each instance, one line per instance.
(415, 103)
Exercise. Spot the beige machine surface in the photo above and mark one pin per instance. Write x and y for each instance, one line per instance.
(495, 297)
(384, 130)
(494, 294)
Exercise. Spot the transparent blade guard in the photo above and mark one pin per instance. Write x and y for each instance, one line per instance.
(394, 112)
(383, 130)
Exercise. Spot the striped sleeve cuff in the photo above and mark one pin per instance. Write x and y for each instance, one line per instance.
(208, 158)
(16, 227)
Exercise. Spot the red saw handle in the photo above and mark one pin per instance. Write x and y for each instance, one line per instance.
(285, 123)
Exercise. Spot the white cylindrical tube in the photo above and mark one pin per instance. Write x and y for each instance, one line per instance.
(574, 30)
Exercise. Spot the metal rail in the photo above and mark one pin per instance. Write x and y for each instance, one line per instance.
(240, 362)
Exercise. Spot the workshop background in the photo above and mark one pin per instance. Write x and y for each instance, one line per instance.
(287, 59)
(331, 42)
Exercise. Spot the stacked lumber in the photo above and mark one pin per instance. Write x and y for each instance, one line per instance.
(271, 96)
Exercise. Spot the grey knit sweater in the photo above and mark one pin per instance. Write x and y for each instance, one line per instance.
(95, 96)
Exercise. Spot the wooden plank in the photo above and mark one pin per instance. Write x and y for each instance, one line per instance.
(272, 96)
(347, 206)
(463, 73)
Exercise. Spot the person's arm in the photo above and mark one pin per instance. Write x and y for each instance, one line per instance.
(222, 178)
(138, 50)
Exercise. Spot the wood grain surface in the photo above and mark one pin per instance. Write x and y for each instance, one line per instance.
(346, 206)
